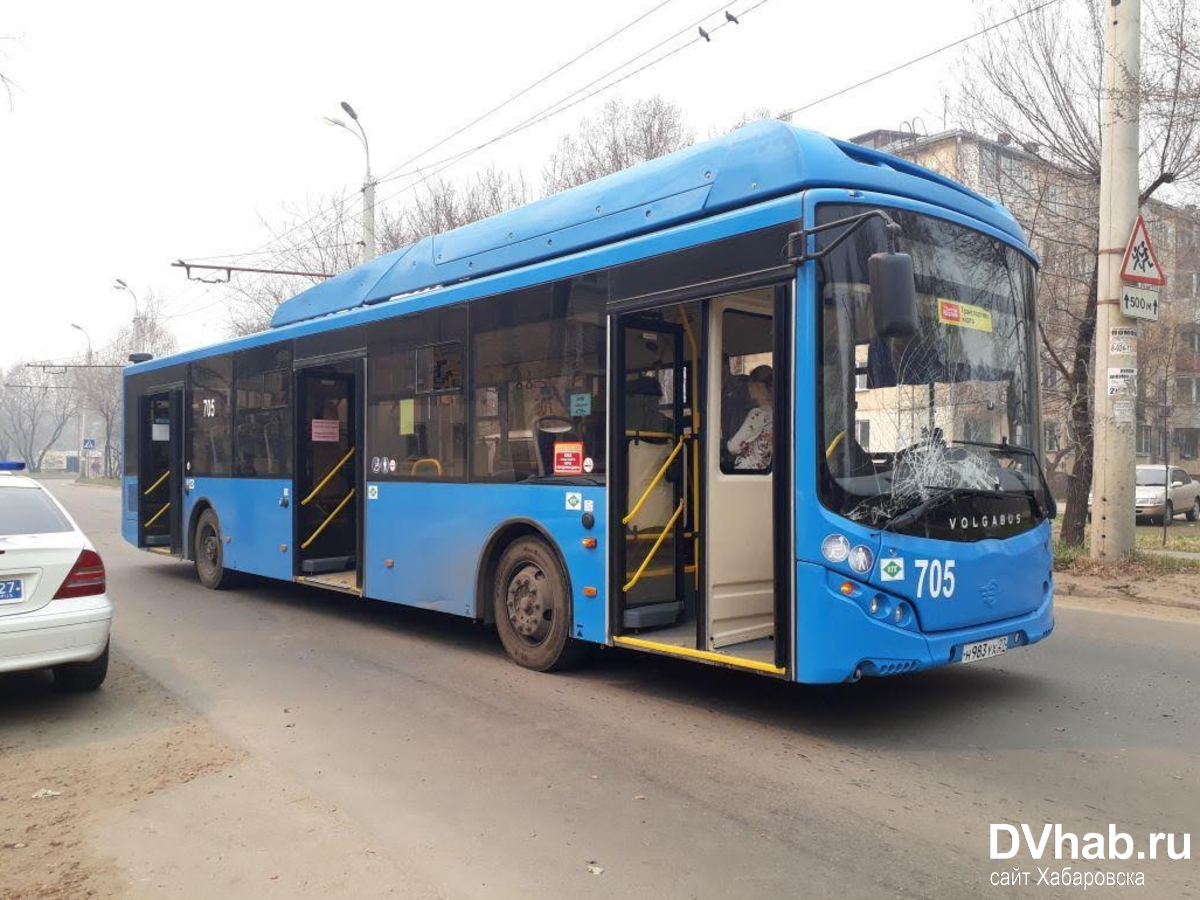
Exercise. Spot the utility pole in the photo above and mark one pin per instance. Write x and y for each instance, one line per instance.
(119, 285)
(368, 188)
(1115, 393)
(82, 405)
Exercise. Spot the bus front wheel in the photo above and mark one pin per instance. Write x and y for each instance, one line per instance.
(532, 607)
(209, 553)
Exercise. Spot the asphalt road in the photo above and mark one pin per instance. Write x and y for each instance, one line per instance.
(412, 737)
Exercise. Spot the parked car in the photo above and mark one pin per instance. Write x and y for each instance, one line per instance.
(54, 612)
(1150, 502)
(1156, 500)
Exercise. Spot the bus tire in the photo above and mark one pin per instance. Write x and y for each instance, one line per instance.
(532, 606)
(209, 553)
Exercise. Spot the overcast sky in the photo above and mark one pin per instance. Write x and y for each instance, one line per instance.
(145, 132)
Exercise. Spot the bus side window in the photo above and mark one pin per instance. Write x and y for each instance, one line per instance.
(211, 420)
(538, 376)
(416, 413)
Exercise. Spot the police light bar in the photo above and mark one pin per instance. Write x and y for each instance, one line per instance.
(11, 466)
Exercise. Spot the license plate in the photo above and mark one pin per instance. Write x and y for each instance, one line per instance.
(10, 590)
(984, 649)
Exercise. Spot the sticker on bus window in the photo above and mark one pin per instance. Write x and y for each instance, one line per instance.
(580, 403)
(568, 457)
(407, 410)
(964, 315)
(325, 431)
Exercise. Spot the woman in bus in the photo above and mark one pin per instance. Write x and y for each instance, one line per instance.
(751, 445)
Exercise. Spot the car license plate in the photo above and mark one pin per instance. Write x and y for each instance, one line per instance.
(10, 590)
(984, 649)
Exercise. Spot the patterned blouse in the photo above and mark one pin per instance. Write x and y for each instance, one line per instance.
(751, 446)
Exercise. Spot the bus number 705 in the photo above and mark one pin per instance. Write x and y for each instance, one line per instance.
(940, 574)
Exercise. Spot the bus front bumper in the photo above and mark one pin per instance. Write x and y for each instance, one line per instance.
(836, 640)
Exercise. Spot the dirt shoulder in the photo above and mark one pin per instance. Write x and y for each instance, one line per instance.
(1131, 590)
(70, 758)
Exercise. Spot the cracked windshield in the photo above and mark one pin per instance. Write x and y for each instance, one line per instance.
(935, 433)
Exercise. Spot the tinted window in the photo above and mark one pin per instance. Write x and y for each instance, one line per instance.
(211, 417)
(263, 412)
(416, 405)
(538, 387)
(29, 511)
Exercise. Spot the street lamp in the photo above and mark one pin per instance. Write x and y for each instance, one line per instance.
(368, 188)
(119, 285)
(82, 412)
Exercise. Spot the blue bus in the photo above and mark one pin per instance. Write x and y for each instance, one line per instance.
(769, 402)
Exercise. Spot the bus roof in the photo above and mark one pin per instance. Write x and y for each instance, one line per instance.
(758, 162)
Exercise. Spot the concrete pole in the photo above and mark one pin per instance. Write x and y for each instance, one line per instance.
(1114, 398)
(368, 219)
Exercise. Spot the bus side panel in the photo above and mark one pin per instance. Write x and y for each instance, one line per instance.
(129, 509)
(435, 534)
(257, 529)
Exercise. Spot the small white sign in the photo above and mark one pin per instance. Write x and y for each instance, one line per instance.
(1139, 302)
(372, 492)
(589, 505)
(588, 464)
(574, 501)
(159, 431)
(1122, 411)
(892, 569)
(1122, 341)
(1122, 381)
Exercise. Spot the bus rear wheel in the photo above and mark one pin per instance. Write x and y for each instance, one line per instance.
(209, 553)
(532, 606)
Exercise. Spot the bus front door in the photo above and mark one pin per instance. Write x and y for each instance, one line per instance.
(328, 500)
(160, 476)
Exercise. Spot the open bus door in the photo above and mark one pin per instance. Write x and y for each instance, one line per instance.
(700, 479)
(160, 471)
(328, 507)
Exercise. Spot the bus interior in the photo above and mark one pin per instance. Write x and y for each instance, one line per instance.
(328, 510)
(694, 503)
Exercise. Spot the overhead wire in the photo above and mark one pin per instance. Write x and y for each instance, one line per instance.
(557, 107)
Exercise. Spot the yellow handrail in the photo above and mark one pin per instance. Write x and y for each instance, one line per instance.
(148, 491)
(329, 518)
(426, 461)
(649, 434)
(629, 585)
(657, 478)
(833, 445)
(325, 480)
(158, 515)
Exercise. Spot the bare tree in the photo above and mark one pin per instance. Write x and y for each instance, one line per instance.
(441, 205)
(1037, 83)
(320, 238)
(622, 135)
(35, 407)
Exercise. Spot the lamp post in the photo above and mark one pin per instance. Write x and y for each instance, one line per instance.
(82, 409)
(368, 188)
(119, 285)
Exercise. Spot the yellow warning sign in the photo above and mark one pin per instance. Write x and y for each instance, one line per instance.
(964, 315)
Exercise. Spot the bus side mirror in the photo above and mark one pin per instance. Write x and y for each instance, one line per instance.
(893, 294)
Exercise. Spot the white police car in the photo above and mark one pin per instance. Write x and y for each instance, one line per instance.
(53, 608)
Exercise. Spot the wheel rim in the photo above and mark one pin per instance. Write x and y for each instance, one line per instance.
(1196, 508)
(210, 548)
(530, 603)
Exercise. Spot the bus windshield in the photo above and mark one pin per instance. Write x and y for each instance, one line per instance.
(929, 433)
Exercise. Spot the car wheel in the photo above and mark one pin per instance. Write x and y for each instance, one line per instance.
(209, 553)
(1194, 513)
(1169, 513)
(532, 606)
(82, 676)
